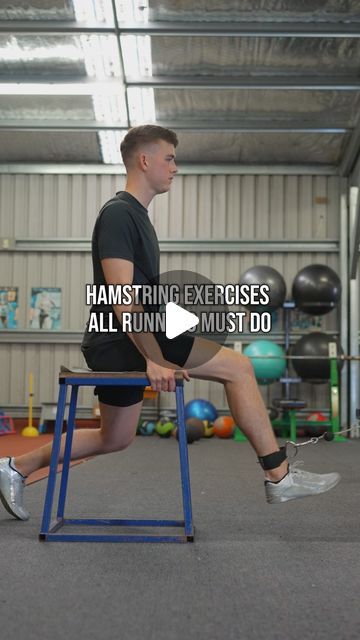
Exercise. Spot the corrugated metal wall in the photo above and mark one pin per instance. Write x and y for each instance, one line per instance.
(220, 207)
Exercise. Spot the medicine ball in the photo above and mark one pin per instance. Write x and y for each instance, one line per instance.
(316, 289)
(208, 429)
(224, 427)
(146, 428)
(315, 344)
(266, 275)
(194, 430)
(164, 427)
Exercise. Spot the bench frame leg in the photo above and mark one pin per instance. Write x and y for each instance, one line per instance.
(50, 529)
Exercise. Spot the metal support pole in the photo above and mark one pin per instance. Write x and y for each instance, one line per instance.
(354, 324)
(344, 304)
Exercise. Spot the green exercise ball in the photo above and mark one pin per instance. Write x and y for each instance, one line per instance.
(267, 369)
(164, 427)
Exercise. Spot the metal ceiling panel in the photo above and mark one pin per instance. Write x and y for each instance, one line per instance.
(41, 57)
(326, 108)
(48, 107)
(230, 56)
(81, 58)
(49, 147)
(37, 10)
(246, 148)
(237, 10)
(58, 57)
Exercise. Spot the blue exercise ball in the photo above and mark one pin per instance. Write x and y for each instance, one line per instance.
(268, 360)
(202, 409)
(147, 428)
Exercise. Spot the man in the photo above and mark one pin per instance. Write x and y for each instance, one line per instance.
(125, 251)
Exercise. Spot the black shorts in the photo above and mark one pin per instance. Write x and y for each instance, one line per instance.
(122, 355)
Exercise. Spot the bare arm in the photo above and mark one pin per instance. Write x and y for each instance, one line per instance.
(159, 371)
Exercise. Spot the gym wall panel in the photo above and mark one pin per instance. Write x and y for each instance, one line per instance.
(44, 361)
(69, 271)
(246, 207)
(235, 207)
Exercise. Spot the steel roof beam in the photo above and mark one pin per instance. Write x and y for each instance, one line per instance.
(247, 29)
(53, 27)
(244, 126)
(320, 82)
(86, 84)
(336, 29)
(185, 168)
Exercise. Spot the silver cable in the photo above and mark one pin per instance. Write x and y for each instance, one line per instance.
(314, 440)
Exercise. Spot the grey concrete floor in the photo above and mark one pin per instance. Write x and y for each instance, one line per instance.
(255, 571)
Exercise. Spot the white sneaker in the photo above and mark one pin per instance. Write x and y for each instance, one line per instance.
(12, 489)
(299, 484)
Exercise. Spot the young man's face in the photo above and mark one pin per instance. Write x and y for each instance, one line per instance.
(161, 167)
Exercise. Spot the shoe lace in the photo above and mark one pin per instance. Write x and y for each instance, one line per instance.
(294, 467)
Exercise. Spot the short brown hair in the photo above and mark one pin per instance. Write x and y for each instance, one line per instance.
(144, 134)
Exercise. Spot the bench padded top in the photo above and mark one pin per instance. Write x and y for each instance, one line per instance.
(65, 372)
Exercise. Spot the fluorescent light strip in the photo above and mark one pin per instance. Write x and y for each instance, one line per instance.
(102, 60)
(88, 10)
(138, 62)
(110, 146)
(101, 56)
(137, 56)
(110, 108)
(141, 105)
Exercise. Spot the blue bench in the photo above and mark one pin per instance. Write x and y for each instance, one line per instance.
(54, 529)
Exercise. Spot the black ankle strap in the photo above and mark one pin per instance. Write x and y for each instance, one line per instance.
(273, 460)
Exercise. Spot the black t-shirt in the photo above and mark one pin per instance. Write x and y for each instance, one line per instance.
(123, 230)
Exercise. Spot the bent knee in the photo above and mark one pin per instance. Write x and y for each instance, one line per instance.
(240, 365)
(116, 444)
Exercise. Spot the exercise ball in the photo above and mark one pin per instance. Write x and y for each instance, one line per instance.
(197, 424)
(202, 409)
(194, 430)
(146, 428)
(208, 429)
(266, 275)
(315, 344)
(266, 369)
(224, 426)
(316, 289)
(164, 427)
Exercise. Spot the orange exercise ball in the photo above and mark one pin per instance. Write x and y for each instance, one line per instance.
(224, 427)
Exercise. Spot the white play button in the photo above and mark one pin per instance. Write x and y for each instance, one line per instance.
(178, 320)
